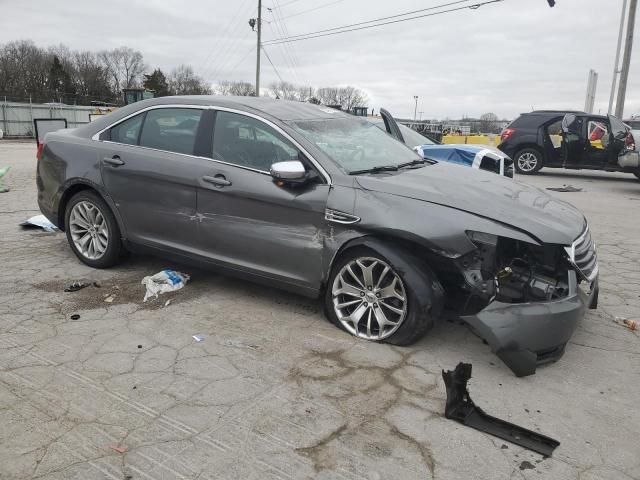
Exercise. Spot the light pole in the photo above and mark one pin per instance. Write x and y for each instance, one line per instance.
(626, 59)
(415, 110)
(616, 71)
(420, 115)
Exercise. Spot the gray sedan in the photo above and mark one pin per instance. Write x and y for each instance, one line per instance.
(327, 205)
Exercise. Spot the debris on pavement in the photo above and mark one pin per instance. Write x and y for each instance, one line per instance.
(3, 172)
(461, 408)
(165, 281)
(631, 324)
(167, 303)
(236, 344)
(75, 316)
(39, 221)
(565, 188)
(198, 338)
(119, 449)
(109, 298)
(75, 286)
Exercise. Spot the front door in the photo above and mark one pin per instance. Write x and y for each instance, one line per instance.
(573, 141)
(150, 171)
(250, 222)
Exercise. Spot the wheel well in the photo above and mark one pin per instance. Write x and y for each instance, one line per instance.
(529, 146)
(66, 196)
(412, 247)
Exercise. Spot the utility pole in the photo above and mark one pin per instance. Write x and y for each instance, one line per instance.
(591, 91)
(626, 59)
(616, 71)
(420, 115)
(258, 52)
(415, 110)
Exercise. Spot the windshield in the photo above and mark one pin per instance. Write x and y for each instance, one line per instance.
(355, 144)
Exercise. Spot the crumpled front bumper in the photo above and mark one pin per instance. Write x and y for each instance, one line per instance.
(525, 335)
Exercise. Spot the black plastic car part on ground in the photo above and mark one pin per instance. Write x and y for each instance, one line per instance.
(322, 203)
(570, 139)
(462, 409)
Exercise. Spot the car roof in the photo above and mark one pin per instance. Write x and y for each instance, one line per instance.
(285, 110)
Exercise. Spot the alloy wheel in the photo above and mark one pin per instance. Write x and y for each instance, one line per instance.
(527, 162)
(369, 298)
(89, 230)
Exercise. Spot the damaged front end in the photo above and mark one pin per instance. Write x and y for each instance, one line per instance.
(525, 299)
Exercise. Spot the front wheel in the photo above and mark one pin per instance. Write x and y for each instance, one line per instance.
(528, 161)
(92, 230)
(371, 299)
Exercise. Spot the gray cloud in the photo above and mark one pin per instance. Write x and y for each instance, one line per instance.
(505, 58)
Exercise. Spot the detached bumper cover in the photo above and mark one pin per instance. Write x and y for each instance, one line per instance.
(525, 335)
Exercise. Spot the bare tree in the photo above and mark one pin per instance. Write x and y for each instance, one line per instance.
(241, 89)
(124, 65)
(488, 122)
(90, 77)
(284, 90)
(183, 81)
(328, 95)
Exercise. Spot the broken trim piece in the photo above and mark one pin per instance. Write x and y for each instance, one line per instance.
(461, 408)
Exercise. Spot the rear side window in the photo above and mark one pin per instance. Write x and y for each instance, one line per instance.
(248, 142)
(128, 131)
(171, 129)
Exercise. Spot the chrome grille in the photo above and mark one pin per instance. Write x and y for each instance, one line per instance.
(582, 254)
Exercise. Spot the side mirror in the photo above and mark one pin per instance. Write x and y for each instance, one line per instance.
(289, 172)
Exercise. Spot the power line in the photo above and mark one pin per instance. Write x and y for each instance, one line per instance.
(288, 51)
(383, 18)
(312, 9)
(274, 67)
(222, 49)
(289, 3)
(346, 28)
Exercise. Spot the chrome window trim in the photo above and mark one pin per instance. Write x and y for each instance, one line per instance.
(315, 163)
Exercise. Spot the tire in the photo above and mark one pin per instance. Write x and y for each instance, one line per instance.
(97, 247)
(528, 161)
(637, 174)
(416, 318)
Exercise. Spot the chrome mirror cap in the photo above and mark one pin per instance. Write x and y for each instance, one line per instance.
(292, 170)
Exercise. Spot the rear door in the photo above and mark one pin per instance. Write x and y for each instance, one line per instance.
(151, 168)
(552, 142)
(573, 140)
(249, 222)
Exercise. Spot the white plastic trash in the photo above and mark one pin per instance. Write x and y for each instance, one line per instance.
(165, 281)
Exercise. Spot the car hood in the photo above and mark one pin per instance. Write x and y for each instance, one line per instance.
(485, 194)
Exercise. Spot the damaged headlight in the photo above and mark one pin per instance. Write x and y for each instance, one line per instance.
(481, 237)
(511, 270)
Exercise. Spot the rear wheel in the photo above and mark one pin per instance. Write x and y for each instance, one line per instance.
(92, 230)
(528, 161)
(371, 299)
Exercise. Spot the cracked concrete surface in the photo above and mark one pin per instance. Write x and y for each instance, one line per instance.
(275, 391)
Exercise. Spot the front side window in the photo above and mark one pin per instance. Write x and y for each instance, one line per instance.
(355, 144)
(128, 131)
(248, 142)
(171, 129)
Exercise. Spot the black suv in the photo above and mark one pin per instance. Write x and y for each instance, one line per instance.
(570, 139)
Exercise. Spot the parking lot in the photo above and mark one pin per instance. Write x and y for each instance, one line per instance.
(274, 390)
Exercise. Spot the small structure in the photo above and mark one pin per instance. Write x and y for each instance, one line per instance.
(133, 95)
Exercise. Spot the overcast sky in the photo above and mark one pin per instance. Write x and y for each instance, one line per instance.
(505, 58)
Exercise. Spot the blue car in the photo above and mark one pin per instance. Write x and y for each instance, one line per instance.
(483, 157)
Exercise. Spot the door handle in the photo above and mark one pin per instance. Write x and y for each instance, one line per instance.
(218, 180)
(115, 161)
